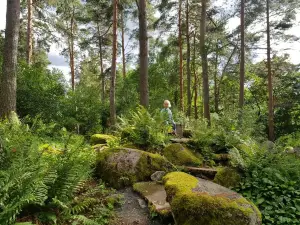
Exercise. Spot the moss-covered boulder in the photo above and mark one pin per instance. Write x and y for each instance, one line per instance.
(195, 201)
(181, 156)
(124, 166)
(227, 177)
(101, 139)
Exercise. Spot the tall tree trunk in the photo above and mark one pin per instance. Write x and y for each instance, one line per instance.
(270, 82)
(102, 76)
(114, 65)
(71, 49)
(215, 80)
(8, 79)
(123, 44)
(204, 62)
(143, 38)
(242, 59)
(195, 79)
(188, 61)
(180, 55)
(29, 32)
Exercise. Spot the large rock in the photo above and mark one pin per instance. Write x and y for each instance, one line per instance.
(101, 139)
(124, 166)
(181, 156)
(195, 201)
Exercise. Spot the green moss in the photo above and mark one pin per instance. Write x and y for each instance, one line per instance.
(101, 139)
(193, 208)
(227, 177)
(47, 149)
(122, 167)
(181, 156)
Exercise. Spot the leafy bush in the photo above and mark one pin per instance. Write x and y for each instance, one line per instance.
(41, 176)
(39, 92)
(228, 134)
(291, 140)
(272, 182)
(81, 111)
(143, 129)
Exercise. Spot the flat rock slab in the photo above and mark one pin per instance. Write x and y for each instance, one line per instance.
(180, 140)
(209, 173)
(155, 194)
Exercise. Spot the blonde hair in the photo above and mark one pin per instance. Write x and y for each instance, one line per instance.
(169, 103)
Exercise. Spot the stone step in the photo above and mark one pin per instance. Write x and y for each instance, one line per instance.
(180, 140)
(202, 172)
(155, 195)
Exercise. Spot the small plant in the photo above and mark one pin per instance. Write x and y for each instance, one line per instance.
(144, 129)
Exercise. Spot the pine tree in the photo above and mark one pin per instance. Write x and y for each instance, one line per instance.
(8, 81)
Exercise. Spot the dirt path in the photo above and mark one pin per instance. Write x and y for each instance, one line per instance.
(132, 212)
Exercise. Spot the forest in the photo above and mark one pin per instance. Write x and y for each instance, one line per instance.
(171, 112)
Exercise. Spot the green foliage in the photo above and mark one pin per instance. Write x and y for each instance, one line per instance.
(38, 173)
(228, 134)
(272, 182)
(81, 110)
(42, 93)
(144, 129)
(291, 140)
(39, 92)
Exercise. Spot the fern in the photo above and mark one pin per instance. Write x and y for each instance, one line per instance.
(143, 129)
(80, 219)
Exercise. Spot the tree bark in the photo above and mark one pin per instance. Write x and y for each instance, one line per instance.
(215, 80)
(180, 56)
(195, 79)
(270, 81)
(242, 59)
(114, 65)
(188, 62)
(71, 48)
(8, 81)
(102, 76)
(143, 38)
(123, 44)
(204, 62)
(29, 32)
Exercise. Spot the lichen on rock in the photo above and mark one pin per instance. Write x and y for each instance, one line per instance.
(181, 156)
(196, 202)
(124, 166)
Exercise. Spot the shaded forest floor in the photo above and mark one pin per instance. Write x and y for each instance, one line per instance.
(133, 211)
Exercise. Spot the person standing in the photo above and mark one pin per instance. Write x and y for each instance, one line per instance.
(167, 113)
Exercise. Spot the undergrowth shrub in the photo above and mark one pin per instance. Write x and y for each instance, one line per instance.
(40, 177)
(272, 182)
(143, 129)
(291, 140)
(228, 134)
